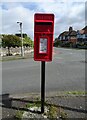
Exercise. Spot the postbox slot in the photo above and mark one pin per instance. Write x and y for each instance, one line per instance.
(43, 23)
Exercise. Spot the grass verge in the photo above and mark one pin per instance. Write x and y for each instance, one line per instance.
(76, 93)
(18, 57)
(53, 111)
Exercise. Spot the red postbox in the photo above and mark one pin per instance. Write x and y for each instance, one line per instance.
(43, 36)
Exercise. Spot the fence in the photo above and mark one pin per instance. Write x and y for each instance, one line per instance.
(15, 51)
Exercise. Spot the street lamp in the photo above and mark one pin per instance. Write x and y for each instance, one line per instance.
(22, 49)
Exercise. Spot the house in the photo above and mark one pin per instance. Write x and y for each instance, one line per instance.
(68, 36)
(72, 38)
(82, 35)
(63, 36)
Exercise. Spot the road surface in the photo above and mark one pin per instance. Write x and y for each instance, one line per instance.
(65, 73)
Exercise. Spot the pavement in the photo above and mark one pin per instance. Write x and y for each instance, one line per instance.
(73, 105)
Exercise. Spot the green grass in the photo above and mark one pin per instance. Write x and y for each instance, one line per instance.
(76, 93)
(36, 104)
(19, 114)
(53, 112)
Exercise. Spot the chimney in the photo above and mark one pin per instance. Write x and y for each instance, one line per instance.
(70, 29)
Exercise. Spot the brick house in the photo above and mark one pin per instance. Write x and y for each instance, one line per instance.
(68, 36)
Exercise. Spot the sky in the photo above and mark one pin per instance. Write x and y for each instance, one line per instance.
(67, 13)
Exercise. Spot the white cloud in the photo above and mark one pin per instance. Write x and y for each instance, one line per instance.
(12, 15)
(66, 14)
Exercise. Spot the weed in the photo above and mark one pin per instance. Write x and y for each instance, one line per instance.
(19, 115)
(52, 112)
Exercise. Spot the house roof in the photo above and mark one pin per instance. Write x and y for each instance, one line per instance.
(68, 33)
(81, 31)
(64, 33)
(85, 30)
(73, 33)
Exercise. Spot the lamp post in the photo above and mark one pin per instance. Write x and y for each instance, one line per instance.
(22, 49)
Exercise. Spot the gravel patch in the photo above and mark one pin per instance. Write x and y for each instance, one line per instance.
(74, 106)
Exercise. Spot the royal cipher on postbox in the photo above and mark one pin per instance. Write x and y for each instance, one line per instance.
(43, 36)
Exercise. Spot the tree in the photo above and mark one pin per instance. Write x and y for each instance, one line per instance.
(27, 42)
(0, 41)
(10, 41)
(57, 42)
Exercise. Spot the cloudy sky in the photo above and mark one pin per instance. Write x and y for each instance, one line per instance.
(67, 13)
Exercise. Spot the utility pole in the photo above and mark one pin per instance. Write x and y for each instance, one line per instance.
(22, 48)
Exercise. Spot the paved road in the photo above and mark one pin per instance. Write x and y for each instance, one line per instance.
(65, 72)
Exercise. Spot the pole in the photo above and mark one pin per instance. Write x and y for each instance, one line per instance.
(22, 49)
(42, 85)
